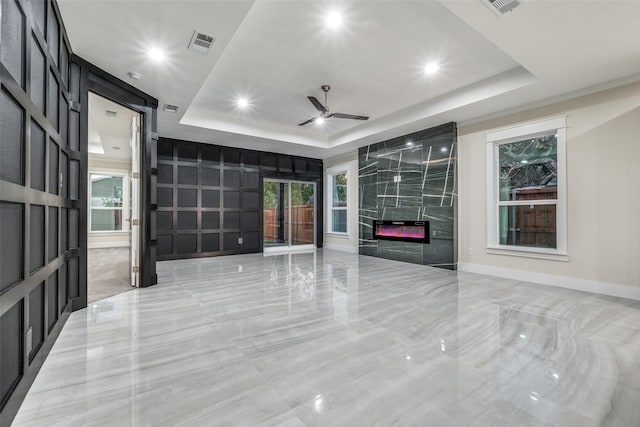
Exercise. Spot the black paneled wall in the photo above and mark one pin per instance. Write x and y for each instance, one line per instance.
(39, 182)
(210, 197)
(412, 177)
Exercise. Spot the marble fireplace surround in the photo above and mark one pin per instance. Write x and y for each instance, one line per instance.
(412, 177)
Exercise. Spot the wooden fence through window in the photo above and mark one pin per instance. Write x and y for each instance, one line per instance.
(301, 227)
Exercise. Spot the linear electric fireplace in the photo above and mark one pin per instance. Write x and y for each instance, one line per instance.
(403, 231)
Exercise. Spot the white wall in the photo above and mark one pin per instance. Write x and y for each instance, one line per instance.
(603, 187)
(332, 241)
(114, 239)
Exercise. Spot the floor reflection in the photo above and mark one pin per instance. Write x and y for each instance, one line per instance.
(330, 338)
(526, 341)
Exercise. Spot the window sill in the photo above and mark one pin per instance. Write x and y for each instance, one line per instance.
(529, 253)
(336, 234)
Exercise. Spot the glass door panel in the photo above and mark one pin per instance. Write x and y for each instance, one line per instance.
(275, 203)
(302, 213)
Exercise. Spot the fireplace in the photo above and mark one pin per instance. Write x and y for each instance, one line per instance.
(403, 231)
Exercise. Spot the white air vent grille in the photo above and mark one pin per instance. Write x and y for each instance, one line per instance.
(170, 108)
(110, 113)
(201, 42)
(500, 7)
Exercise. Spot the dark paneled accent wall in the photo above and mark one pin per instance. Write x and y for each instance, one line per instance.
(412, 177)
(39, 191)
(210, 196)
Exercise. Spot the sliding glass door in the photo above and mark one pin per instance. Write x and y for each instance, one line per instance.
(289, 215)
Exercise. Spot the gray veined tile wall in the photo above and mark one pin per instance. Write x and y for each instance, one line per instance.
(412, 177)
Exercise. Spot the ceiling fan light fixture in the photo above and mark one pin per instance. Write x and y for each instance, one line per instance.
(319, 120)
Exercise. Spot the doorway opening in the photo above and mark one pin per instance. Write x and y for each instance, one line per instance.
(288, 215)
(114, 199)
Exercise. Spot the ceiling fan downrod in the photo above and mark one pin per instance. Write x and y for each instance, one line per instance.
(326, 89)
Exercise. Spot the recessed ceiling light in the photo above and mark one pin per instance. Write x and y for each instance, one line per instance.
(134, 75)
(242, 103)
(409, 143)
(334, 19)
(431, 68)
(156, 54)
(319, 120)
(443, 149)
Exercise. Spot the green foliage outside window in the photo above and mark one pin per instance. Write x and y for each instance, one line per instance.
(301, 194)
(340, 190)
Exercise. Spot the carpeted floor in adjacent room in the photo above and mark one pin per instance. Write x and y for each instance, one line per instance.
(107, 273)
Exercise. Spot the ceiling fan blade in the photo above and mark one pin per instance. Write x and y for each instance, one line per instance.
(306, 122)
(317, 104)
(349, 116)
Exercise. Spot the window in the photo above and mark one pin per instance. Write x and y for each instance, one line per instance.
(107, 202)
(338, 201)
(526, 188)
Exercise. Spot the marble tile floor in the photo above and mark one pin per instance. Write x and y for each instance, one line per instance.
(337, 339)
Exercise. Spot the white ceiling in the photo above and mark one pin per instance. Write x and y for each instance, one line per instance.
(109, 135)
(276, 53)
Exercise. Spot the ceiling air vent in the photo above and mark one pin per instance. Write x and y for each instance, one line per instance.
(201, 42)
(170, 108)
(110, 113)
(500, 7)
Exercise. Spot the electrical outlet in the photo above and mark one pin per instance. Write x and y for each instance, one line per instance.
(239, 240)
(470, 251)
(29, 340)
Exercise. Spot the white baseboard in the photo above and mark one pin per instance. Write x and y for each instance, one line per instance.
(611, 289)
(108, 245)
(343, 248)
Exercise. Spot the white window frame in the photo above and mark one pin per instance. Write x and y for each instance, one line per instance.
(331, 173)
(125, 201)
(518, 133)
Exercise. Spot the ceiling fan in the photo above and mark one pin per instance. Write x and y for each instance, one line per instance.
(325, 112)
